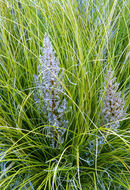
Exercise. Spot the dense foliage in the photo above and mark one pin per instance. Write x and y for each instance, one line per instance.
(64, 118)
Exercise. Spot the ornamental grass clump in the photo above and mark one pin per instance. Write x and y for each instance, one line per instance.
(114, 105)
(87, 35)
(49, 92)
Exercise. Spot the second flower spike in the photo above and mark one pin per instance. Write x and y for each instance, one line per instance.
(113, 106)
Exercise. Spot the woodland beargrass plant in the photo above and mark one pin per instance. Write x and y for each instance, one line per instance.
(86, 145)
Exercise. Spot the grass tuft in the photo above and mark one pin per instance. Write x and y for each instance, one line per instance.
(89, 38)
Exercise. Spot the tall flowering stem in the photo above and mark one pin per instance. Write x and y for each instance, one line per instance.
(113, 104)
(48, 89)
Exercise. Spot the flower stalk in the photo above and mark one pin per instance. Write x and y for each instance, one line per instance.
(49, 92)
(114, 105)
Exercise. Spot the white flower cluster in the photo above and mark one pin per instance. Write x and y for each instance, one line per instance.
(113, 105)
(49, 92)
